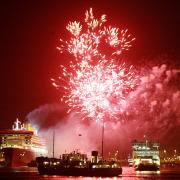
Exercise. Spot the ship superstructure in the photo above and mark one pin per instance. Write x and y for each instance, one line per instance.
(145, 155)
(20, 145)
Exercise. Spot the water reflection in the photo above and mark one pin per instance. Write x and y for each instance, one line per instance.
(128, 174)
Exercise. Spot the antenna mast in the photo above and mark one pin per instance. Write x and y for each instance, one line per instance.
(53, 141)
(103, 141)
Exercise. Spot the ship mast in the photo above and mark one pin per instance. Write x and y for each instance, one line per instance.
(53, 141)
(102, 141)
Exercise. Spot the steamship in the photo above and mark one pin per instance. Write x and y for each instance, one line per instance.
(77, 164)
(20, 145)
(145, 155)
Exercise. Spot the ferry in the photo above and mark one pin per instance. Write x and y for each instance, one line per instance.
(20, 145)
(146, 156)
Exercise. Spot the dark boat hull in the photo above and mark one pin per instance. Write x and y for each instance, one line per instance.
(147, 167)
(105, 172)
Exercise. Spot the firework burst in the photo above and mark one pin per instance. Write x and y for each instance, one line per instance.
(95, 85)
(84, 43)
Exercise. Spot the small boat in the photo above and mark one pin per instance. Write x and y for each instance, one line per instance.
(77, 164)
(130, 161)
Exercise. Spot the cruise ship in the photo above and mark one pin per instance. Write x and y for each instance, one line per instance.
(145, 155)
(20, 145)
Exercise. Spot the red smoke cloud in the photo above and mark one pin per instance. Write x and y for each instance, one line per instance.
(152, 110)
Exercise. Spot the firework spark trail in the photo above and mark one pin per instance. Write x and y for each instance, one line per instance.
(84, 43)
(96, 86)
(100, 90)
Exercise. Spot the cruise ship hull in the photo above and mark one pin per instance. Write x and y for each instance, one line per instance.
(15, 157)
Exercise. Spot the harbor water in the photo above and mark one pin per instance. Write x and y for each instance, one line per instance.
(128, 174)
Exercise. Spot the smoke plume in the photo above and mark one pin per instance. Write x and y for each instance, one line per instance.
(151, 110)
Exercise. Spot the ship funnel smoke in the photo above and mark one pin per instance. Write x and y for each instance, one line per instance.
(71, 133)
